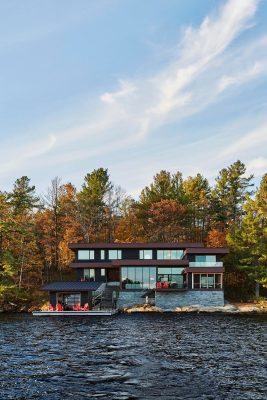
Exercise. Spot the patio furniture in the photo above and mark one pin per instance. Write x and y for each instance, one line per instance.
(165, 285)
(159, 285)
(77, 307)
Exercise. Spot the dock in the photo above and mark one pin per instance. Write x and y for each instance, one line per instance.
(74, 313)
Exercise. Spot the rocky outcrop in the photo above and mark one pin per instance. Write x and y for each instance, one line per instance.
(197, 308)
(142, 308)
(229, 308)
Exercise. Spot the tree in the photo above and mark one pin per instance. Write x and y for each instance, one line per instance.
(23, 199)
(166, 221)
(197, 192)
(249, 240)
(230, 193)
(164, 187)
(92, 202)
(129, 228)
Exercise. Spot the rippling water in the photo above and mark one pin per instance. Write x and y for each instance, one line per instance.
(140, 356)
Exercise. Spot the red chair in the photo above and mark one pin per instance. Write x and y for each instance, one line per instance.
(50, 307)
(86, 307)
(159, 285)
(59, 307)
(165, 285)
(77, 307)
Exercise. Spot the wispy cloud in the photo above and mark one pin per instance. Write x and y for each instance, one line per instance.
(205, 66)
(248, 141)
(257, 166)
(234, 80)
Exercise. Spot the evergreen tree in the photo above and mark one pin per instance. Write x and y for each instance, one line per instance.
(92, 203)
(23, 198)
(230, 193)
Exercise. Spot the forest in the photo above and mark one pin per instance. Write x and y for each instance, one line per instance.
(35, 230)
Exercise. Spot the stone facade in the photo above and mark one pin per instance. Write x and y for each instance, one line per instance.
(171, 300)
(130, 299)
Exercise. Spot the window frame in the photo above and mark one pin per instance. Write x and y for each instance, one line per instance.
(142, 255)
(118, 254)
(91, 255)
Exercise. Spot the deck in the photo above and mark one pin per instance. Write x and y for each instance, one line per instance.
(74, 313)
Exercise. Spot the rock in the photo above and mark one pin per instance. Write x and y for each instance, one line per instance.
(230, 308)
(142, 308)
(248, 308)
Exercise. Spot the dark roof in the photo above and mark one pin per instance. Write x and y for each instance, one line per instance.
(71, 286)
(203, 270)
(122, 263)
(74, 246)
(207, 250)
(92, 264)
(155, 263)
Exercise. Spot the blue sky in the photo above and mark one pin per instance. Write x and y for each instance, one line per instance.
(133, 86)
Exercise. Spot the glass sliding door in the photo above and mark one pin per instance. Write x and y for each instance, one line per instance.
(138, 277)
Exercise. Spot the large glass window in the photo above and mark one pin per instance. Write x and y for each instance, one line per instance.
(138, 277)
(171, 277)
(203, 281)
(169, 254)
(86, 255)
(114, 254)
(218, 281)
(102, 254)
(89, 274)
(196, 281)
(145, 254)
(70, 299)
(207, 281)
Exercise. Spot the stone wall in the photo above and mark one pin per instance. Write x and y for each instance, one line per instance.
(171, 300)
(130, 299)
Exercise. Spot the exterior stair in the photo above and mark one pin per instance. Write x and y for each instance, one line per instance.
(109, 296)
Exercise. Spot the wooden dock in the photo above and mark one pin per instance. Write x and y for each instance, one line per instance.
(74, 313)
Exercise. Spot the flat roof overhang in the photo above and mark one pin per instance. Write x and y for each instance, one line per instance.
(130, 263)
(91, 265)
(141, 246)
(204, 270)
(161, 290)
(71, 286)
(207, 250)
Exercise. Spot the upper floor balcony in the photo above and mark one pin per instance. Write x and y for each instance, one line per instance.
(205, 264)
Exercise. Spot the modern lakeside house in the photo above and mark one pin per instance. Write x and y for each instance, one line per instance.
(120, 275)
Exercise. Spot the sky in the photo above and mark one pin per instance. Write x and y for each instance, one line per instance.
(132, 86)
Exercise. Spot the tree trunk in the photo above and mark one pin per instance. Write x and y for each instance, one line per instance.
(257, 289)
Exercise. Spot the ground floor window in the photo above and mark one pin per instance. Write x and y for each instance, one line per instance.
(207, 281)
(68, 300)
(138, 277)
(170, 278)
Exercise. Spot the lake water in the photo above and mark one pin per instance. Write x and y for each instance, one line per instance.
(141, 356)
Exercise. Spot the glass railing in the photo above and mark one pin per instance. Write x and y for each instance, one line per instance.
(206, 264)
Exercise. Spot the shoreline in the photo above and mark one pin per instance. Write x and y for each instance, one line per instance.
(230, 308)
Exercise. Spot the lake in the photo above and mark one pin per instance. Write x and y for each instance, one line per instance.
(140, 356)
